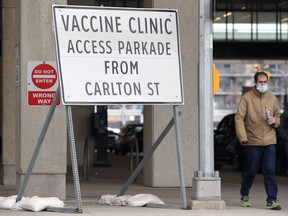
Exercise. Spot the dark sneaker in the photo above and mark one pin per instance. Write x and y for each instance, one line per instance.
(245, 201)
(274, 206)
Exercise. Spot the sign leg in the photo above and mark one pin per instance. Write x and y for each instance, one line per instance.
(38, 145)
(74, 159)
(180, 156)
(146, 157)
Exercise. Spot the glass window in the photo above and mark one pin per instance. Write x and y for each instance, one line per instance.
(251, 21)
(283, 25)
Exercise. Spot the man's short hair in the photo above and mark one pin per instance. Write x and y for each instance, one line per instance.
(257, 74)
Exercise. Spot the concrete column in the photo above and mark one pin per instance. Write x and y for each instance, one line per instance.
(7, 166)
(162, 169)
(35, 37)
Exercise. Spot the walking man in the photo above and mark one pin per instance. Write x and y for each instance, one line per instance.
(257, 116)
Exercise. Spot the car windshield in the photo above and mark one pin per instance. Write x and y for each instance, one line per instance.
(138, 129)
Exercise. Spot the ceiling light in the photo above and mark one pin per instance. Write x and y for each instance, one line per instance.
(227, 14)
(217, 18)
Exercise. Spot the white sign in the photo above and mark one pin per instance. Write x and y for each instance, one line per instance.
(118, 55)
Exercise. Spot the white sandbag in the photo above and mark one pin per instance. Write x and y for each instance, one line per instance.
(8, 202)
(137, 200)
(33, 204)
(37, 204)
(16, 206)
(109, 199)
(144, 199)
(121, 200)
(53, 202)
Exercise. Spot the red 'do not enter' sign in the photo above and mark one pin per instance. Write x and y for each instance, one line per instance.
(44, 76)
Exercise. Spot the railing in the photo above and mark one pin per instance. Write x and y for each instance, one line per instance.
(88, 156)
(134, 144)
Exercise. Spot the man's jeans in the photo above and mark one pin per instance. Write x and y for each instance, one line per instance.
(256, 157)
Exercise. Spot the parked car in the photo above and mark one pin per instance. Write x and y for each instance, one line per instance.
(128, 135)
(227, 149)
(113, 140)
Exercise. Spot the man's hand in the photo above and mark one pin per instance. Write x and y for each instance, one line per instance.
(271, 121)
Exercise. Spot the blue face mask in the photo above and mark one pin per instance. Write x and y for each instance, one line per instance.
(262, 89)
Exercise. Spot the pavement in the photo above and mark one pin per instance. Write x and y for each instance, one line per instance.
(110, 180)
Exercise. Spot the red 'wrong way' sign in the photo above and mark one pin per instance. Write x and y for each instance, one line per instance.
(42, 83)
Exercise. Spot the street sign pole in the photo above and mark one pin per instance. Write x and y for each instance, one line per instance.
(206, 183)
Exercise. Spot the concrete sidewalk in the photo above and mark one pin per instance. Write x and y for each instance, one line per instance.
(110, 180)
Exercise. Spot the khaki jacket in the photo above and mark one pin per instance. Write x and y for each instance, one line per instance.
(250, 119)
